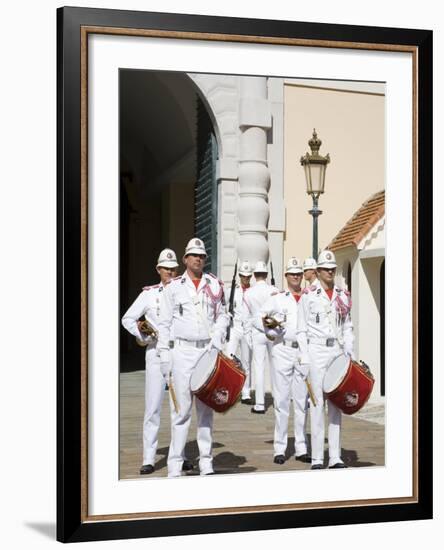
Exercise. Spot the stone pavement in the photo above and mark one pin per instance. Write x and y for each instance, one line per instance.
(242, 441)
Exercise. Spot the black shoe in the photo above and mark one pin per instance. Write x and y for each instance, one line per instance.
(146, 469)
(317, 467)
(279, 459)
(246, 400)
(303, 458)
(337, 466)
(187, 466)
(253, 410)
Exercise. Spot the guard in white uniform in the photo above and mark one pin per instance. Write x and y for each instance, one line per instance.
(254, 298)
(325, 331)
(310, 275)
(193, 309)
(147, 305)
(240, 343)
(288, 374)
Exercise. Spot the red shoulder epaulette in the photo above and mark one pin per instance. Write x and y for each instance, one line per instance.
(150, 287)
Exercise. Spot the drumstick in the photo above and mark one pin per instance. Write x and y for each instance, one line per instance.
(310, 392)
(173, 394)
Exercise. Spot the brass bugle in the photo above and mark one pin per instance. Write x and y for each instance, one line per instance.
(147, 328)
(271, 322)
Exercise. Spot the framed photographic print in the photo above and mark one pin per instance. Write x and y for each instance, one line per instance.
(274, 164)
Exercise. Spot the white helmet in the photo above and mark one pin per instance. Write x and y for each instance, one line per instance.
(167, 258)
(309, 263)
(327, 259)
(260, 267)
(195, 246)
(245, 268)
(293, 266)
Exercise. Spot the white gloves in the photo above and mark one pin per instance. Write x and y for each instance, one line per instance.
(303, 370)
(165, 369)
(165, 364)
(216, 343)
(350, 353)
(276, 333)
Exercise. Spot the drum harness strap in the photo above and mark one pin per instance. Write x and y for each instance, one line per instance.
(200, 313)
(334, 325)
(204, 320)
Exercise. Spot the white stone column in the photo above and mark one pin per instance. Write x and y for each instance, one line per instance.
(254, 176)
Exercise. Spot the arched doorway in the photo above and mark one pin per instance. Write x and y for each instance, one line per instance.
(168, 188)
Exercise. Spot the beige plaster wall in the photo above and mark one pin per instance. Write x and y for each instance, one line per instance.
(351, 126)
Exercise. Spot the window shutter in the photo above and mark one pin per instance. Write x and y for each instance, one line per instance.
(205, 222)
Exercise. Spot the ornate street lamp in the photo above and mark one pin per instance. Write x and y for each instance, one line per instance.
(315, 166)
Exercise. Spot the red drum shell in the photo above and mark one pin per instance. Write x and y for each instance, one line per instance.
(223, 386)
(353, 390)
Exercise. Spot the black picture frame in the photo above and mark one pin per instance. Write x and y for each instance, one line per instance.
(73, 524)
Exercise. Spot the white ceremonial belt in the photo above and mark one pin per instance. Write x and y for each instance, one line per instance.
(329, 342)
(192, 343)
(290, 343)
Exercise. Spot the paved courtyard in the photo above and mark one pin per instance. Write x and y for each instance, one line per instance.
(242, 441)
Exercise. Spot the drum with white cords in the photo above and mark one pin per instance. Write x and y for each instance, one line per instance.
(348, 384)
(217, 380)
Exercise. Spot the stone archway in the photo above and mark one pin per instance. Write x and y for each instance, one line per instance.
(240, 109)
(158, 156)
(162, 121)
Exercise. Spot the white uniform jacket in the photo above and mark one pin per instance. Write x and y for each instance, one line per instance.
(283, 307)
(254, 299)
(320, 318)
(192, 314)
(238, 309)
(147, 304)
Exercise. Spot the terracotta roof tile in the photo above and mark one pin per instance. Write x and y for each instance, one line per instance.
(361, 223)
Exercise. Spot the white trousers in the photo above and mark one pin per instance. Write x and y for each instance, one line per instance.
(320, 358)
(154, 393)
(261, 346)
(288, 384)
(238, 341)
(183, 362)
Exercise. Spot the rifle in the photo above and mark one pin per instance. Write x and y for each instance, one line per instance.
(231, 301)
(272, 274)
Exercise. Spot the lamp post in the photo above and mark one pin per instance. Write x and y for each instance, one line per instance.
(315, 166)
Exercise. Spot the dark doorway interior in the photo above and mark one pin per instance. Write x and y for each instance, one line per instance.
(167, 173)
